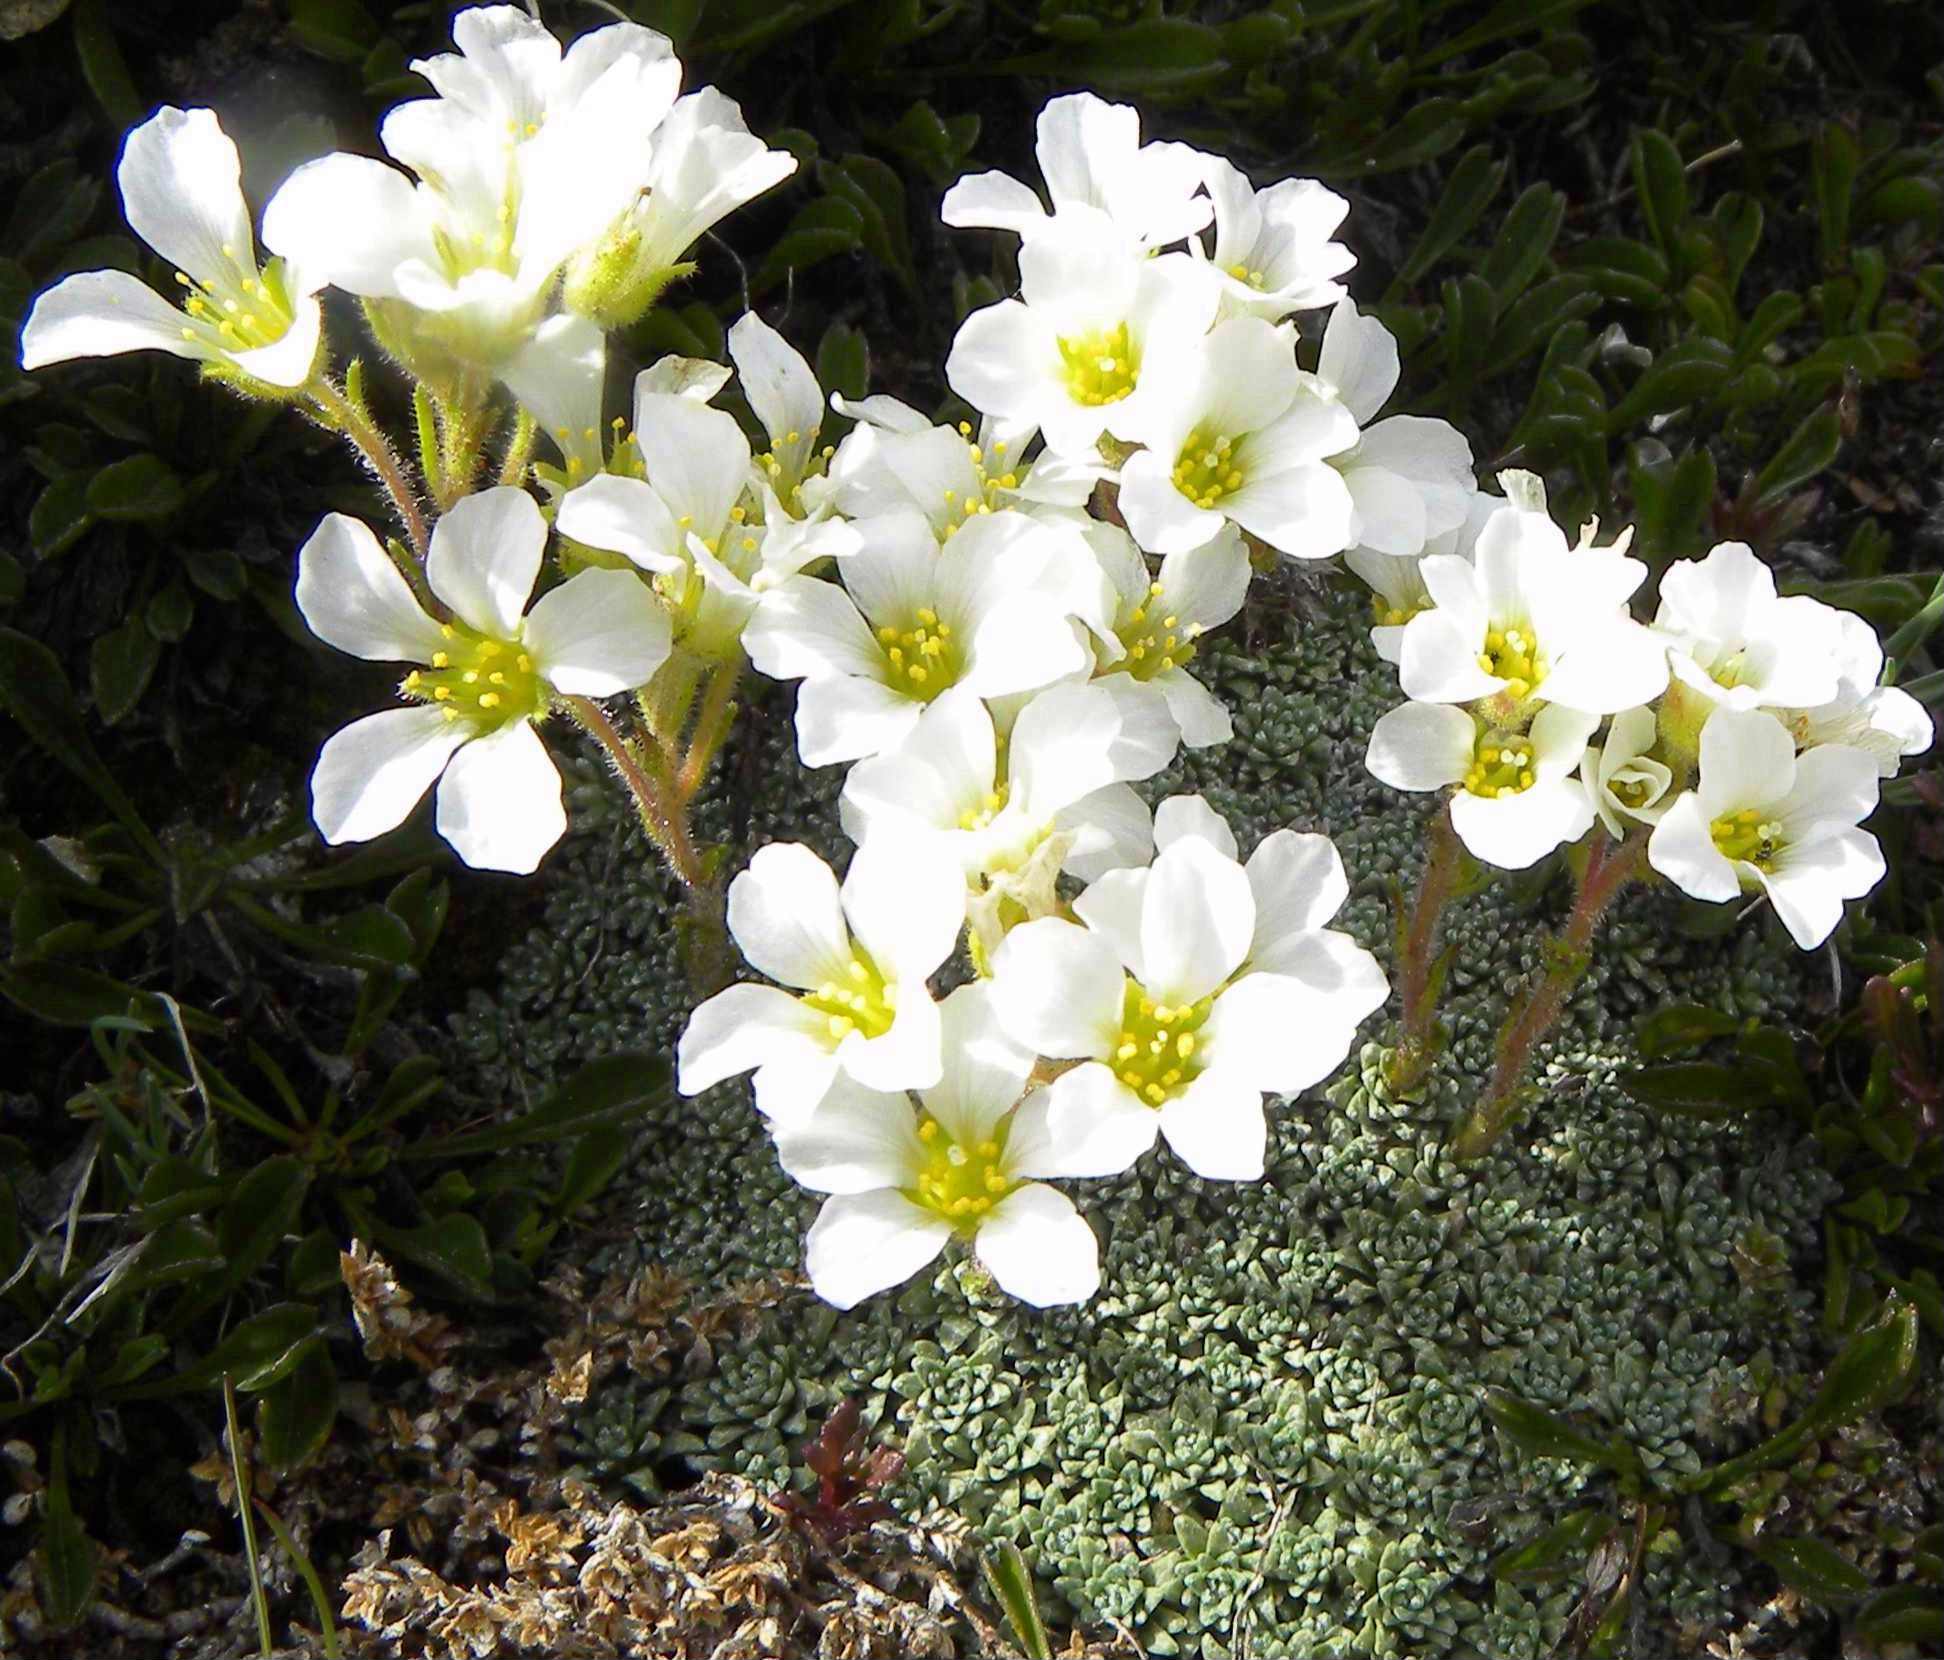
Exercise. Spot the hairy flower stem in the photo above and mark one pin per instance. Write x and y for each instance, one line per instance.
(664, 814)
(337, 413)
(712, 724)
(1419, 974)
(519, 449)
(1609, 867)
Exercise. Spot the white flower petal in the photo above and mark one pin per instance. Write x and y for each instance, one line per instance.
(1216, 1127)
(182, 191)
(600, 632)
(1203, 717)
(352, 220)
(809, 629)
(741, 1028)
(1111, 907)
(846, 718)
(101, 314)
(1111, 830)
(1359, 358)
(1682, 849)
(485, 555)
(1306, 512)
(1197, 918)
(1809, 884)
(864, 1243)
(909, 1055)
(1299, 884)
(371, 774)
(1287, 1030)
(1086, 1123)
(1058, 989)
(624, 516)
(1422, 746)
(1747, 760)
(558, 377)
(994, 200)
(289, 359)
(985, 1071)
(906, 904)
(696, 456)
(1039, 1248)
(1181, 817)
(1515, 832)
(857, 1139)
(787, 918)
(499, 801)
(353, 597)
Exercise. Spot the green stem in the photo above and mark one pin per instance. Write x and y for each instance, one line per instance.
(711, 727)
(240, 1472)
(519, 449)
(338, 413)
(1610, 866)
(664, 815)
(1417, 946)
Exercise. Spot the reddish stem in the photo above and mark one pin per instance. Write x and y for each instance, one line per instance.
(1610, 866)
(1417, 1042)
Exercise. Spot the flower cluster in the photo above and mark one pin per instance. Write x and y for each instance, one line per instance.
(1025, 974)
(1745, 732)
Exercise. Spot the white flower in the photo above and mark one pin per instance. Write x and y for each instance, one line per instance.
(1517, 798)
(1526, 618)
(783, 391)
(1157, 620)
(181, 186)
(527, 155)
(989, 611)
(1762, 816)
(489, 674)
(1410, 476)
(1059, 800)
(1622, 779)
(1236, 433)
(687, 522)
(558, 378)
(895, 460)
(905, 1183)
(858, 959)
(1273, 253)
(705, 163)
(1886, 721)
(1091, 155)
(1070, 355)
(1194, 987)
(1734, 643)
(1396, 580)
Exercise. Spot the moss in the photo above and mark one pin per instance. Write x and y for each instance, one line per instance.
(1268, 1419)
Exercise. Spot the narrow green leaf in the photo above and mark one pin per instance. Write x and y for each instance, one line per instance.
(1548, 1435)
(120, 666)
(103, 66)
(1662, 184)
(1551, 1555)
(1474, 181)
(1814, 1569)
(613, 1087)
(1807, 451)
(295, 1415)
(66, 1557)
(1012, 1583)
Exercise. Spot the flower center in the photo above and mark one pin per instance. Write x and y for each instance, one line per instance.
(1100, 365)
(1748, 837)
(1159, 1052)
(1155, 644)
(1728, 672)
(1513, 654)
(1207, 469)
(256, 312)
(958, 1182)
(989, 807)
(860, 1002)
(995, 475)
(923, 659)
(1389, 614)
(1501, 765)
(488, 682)
(1241, 273)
